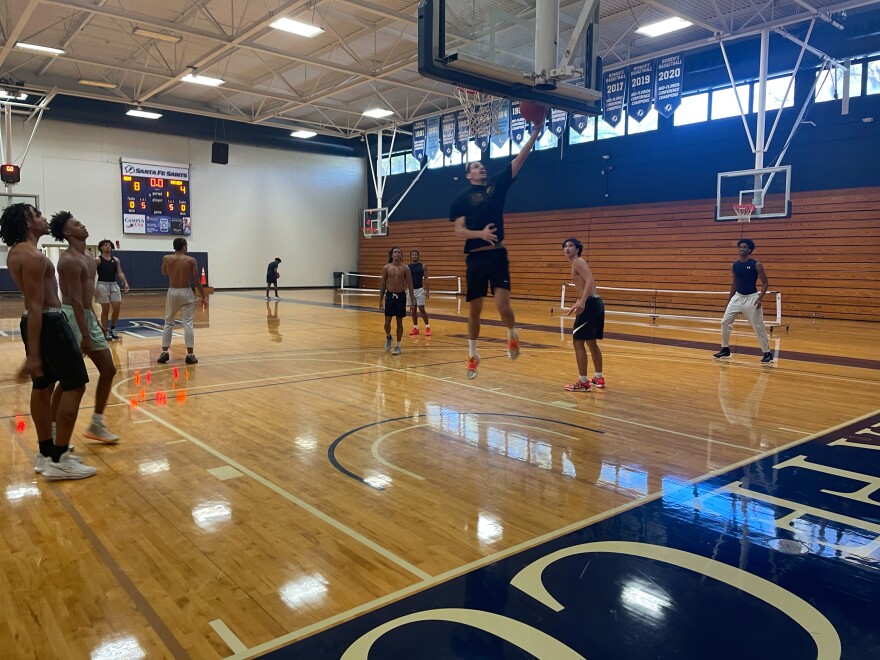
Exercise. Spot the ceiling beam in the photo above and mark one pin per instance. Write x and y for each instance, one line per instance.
(17, 29)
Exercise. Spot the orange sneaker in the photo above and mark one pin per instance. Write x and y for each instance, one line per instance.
(513, 348)
(578, 386)
(427, 331)
(472, 364)
(598, 382)
(414, 331)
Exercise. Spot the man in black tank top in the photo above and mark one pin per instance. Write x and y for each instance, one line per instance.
(419, 273)
(745, 299)
(107, 291)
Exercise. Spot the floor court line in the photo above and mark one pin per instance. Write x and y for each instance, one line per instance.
(290, 497)
(525, 545)
(229, 638)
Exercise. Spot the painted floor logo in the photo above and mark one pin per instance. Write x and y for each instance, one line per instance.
(779, 558)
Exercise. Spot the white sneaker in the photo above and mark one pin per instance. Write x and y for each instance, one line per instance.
(67, 468)
(97, 431)
(40, 462)
(396, 350)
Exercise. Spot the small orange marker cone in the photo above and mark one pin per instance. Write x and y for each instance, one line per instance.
(204, 277)
(134, 402)
(176, 373)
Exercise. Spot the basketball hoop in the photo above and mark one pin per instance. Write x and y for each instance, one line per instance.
(369, 232)
(481, 111)
(743, 212)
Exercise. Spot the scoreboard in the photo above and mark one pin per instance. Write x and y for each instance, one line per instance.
(155, 199)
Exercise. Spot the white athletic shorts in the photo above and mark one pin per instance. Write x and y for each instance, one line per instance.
(420, 298)
(107, 292)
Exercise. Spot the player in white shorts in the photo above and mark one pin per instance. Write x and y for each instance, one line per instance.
(107, 291)
(421, 291)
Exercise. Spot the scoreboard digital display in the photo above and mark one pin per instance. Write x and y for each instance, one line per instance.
(155, 199)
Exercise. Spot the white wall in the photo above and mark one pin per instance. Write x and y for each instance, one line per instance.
(265, 203)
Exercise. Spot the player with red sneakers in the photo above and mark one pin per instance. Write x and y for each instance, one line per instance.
(478, 214)
(419, 273)
(589, 323)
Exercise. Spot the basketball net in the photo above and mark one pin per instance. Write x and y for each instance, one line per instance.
(743, 212)
(481, 111)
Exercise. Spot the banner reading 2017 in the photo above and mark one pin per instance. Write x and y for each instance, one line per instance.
(614, 96)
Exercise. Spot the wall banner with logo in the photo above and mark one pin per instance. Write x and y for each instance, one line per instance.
(670, 78)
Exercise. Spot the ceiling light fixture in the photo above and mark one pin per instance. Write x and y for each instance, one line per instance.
(303, 134)
(377, 113)
(664, 27)
(158, 36)
(296, 27)
(15, 96)
(143, 114)
(40, 49)
(97, 83)
(202, 80)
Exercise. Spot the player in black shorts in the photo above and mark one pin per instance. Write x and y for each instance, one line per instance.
(52, 352)
(478, 214)
(396, 284)
(589, 322)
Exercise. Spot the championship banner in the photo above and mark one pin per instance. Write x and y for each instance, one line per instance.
(614, 96)
(462, 131)
(557, 122)
(503, 124)
(433, 137)
(578, 122)
(447, 133)
(517, 124)
(418, 150)
(482, 141)
(641, 90)
(670, 78)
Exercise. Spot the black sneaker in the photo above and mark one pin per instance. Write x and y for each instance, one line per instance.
(768, 358)
(191, 359)
(163, 357)
(723, 353)
(113, 333)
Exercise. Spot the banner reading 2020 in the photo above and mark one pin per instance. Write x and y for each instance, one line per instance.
(670, 77)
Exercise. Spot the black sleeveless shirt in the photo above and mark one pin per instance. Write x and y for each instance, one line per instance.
(106, 269)
(745, 275)
(418, 274)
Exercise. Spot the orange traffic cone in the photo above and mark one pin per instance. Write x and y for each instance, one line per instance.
(204, 279)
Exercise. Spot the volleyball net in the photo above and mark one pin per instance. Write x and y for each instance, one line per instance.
(449, 285)
(670, 304)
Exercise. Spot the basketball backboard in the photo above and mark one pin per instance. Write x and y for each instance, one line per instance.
(768, 189)
(374, 222)
(539, 52)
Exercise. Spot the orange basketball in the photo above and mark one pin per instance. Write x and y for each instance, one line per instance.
(532, 111)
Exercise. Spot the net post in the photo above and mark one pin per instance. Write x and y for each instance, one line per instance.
(779, 308)
(562, 299)
(458, 285)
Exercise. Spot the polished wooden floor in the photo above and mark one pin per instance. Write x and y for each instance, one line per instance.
(299, 476)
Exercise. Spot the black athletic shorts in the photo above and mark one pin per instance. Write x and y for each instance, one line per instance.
(484, 268)
(590, 323)
(395, 304)
(62, 357)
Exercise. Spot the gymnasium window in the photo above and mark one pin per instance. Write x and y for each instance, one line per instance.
(398, 164)
(499, 152)
(386, 166)
(606, 130)
(775, 91)
(473, 153)
(693, 110)
(832, 87)
(516, 148)
(436, 161)
(412, 165)
(454, 159)
(724, 102)
(547, 141)
(874, 77)
(648, 123)
(588, 135)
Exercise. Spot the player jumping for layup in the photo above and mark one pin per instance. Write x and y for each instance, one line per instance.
(478, 214)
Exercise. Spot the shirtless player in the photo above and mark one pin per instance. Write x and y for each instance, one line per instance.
(182, 271)
(396, 282)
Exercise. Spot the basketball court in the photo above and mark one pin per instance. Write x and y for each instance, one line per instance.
(303, 493)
